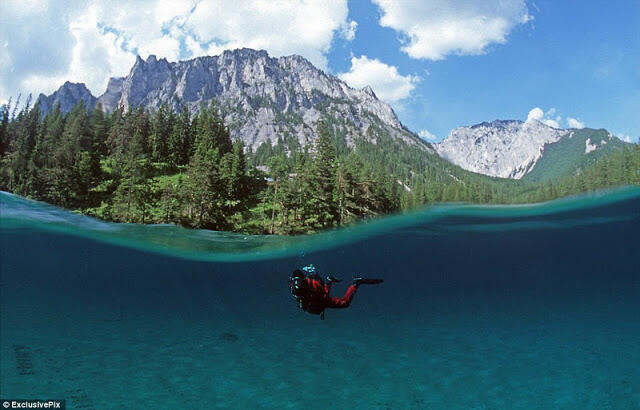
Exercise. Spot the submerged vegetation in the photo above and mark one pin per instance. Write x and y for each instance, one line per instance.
(183, 168)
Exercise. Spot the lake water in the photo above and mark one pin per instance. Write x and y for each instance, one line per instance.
(517, 307)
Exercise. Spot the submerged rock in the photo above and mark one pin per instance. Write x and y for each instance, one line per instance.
(229, 337)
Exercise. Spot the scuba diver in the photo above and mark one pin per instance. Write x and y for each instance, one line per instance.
(312, 293)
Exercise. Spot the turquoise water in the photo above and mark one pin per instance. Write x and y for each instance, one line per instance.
(482, 307)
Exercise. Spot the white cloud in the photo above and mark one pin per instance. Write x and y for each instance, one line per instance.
(436, 28)
(628, 138)
(535, 114)
(36, 43)
(97, 54)
(574, 123)
(45, 43)
(552, 123)
(348, 31)
(279, 26)
(426, 135)
(544, 117)
(389, 85)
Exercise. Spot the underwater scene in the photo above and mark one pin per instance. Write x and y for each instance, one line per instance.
(486, 307)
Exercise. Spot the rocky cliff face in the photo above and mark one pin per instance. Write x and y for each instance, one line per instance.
(507, 149)
(111, 97)
(259, 97)
(68, 96)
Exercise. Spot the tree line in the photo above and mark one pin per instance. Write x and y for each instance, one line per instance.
(134, 165)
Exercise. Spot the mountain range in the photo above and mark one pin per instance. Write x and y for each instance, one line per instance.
(528, 150)
(262, 98)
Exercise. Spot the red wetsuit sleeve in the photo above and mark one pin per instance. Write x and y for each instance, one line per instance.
(316, 286)
(344, 301)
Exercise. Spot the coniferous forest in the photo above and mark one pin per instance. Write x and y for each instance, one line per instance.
(183, 168)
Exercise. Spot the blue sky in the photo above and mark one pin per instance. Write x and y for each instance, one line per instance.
(440, 64)
(584, 62)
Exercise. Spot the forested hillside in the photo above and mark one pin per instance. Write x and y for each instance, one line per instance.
(183, 168)
(577, 150)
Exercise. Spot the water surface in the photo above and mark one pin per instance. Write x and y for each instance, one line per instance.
(533, 306)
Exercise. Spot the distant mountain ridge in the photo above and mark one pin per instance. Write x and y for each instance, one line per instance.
(260, 98)
(68, 96)
(506, 149)
(514, 149)
(573, 152)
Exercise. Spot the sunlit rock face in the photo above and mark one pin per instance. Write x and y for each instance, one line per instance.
(507, 149)
(259, 97)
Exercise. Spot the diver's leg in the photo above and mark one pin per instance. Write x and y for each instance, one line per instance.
(344, 301)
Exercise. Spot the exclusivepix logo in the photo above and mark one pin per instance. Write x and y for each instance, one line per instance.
(33, 404)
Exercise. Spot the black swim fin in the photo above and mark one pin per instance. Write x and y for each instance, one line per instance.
(366, 281)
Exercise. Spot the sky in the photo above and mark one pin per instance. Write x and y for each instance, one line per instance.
(439, 64)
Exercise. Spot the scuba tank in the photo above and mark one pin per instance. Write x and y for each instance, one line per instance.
(301, 290)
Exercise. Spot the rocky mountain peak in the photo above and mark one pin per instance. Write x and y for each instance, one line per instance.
(68, 96)
(507, 149)
(259, 97)
(498, 124)
(369, 91)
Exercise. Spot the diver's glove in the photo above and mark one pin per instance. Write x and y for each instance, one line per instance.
(366, 281)
(331, 279)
